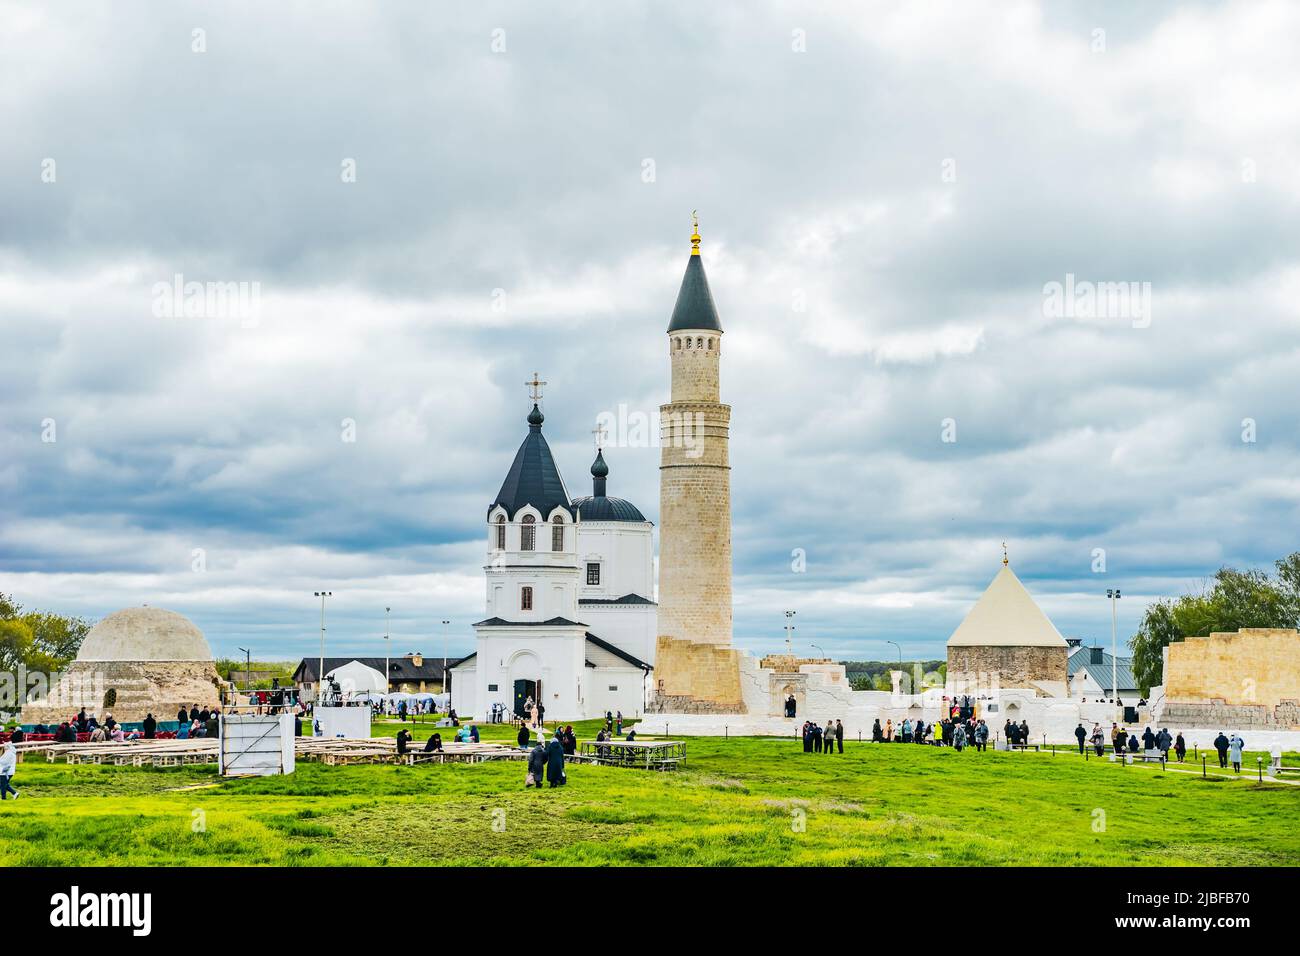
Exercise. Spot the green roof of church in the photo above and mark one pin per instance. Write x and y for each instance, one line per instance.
(694, 309)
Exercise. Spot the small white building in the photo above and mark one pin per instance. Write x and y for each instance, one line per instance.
(570, 622)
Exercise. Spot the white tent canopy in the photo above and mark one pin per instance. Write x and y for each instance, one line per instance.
(355, 678)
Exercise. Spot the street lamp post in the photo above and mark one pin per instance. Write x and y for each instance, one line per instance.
(320, 676)
(248, 668)
(446, 684)
(900, 660)
(789, 630)
(388, 667)
(1114, 595)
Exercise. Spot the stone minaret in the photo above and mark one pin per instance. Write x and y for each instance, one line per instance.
(694, 667)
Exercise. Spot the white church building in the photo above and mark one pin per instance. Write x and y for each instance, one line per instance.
(570, 620)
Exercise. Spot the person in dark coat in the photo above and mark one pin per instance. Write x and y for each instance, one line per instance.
(877, 735)
(536, 765)
(1180, 747)
(433, 744)
(194, 713)
(522, 739)
(182, 717)
(403, 738)
(150, 727)
(817, 738)
(1024, 732)
(555, 762)
(1148, 740)
(1080, 735)
(839, 736)
(18, 736)
(1221, 745)
(807, 737)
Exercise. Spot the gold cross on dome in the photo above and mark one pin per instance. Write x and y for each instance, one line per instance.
(599, 434)
(535, 387)
(1005, 562)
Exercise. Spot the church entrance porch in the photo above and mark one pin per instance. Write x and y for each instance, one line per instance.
(525, 691)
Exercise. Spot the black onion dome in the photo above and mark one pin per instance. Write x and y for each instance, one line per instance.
(533, 478)
(606, 509)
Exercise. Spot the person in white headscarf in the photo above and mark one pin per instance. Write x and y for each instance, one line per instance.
(8, 763)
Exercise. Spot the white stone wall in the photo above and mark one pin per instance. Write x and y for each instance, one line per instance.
(629, 627)
(625, 552)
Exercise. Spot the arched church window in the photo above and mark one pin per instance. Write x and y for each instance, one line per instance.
(710, 345)
(525, 598)
(557, 533)
(527, 534)
(699, 343)
(501, 532)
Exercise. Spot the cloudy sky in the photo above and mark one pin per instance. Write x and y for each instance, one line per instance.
(434, 200)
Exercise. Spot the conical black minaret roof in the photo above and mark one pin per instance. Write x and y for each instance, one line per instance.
(694, 309)
(533, 478)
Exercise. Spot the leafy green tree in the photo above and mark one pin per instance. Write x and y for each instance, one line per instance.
(45, 642)
(1233, 600)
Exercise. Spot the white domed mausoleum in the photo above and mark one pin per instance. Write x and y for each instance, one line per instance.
(142, 659)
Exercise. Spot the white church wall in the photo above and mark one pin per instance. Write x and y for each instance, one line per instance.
(553, 656)
(614, 689)
(625, 552)
(629, 627)
(465, 691)
(553, 579)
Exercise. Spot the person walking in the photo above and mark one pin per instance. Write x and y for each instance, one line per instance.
(839, 736)
(959, 738)
(555, 762)
(536, 766)
(1098, 740)
(981, 736)
(8, 764)
(1221, 743)
(1235, 746)
(877, 735)
(1080, 735)
(1180, 747)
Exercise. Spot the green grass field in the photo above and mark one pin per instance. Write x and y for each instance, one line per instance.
(739, 802)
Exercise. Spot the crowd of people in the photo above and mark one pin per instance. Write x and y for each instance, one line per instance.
(1159, 741)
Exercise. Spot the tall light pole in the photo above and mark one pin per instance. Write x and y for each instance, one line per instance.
(320, 677)
(789, 630)
(900, 661)
(387, 650)
(446, 684)
(819, 648)
(1114, 595)
(248, 667)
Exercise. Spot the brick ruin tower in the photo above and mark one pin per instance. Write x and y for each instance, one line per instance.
(696, 670)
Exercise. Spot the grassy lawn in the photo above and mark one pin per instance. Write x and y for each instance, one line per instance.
(743, 801)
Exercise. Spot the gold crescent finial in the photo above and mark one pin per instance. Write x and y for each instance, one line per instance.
(695, 233)
(1005, 562)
